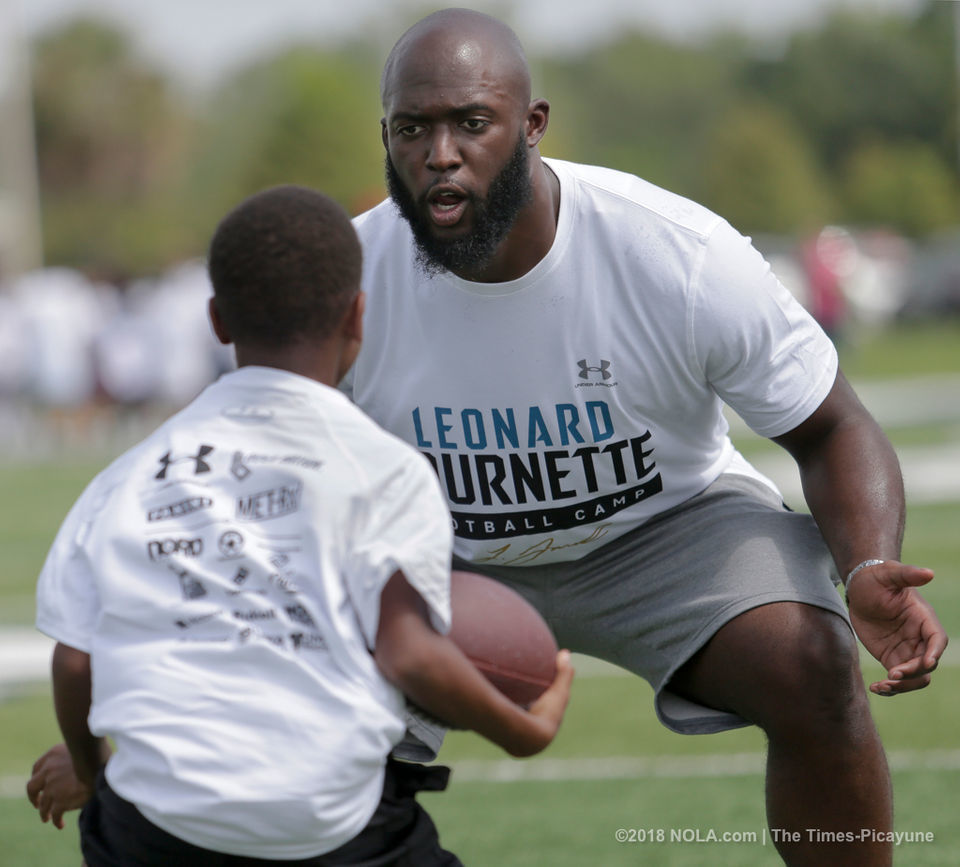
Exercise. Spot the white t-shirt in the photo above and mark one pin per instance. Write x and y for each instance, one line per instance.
(562, 409)
(225, 577)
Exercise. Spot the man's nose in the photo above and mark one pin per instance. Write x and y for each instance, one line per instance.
(444, 151)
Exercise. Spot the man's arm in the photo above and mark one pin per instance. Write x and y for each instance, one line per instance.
(432, 671)
(852, 484)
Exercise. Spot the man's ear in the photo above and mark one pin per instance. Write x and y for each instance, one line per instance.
(383, 134)
(538, 117)
(219, 329)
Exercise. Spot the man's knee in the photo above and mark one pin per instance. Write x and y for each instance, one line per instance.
(818, 671)
(783, 666)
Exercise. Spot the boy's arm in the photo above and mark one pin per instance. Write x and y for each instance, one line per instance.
(71, 700)
(63, 777)
(432, 671)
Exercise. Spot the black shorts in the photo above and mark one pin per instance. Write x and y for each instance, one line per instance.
(113, 832)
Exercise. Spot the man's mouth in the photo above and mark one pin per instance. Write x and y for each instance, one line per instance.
(446, 207)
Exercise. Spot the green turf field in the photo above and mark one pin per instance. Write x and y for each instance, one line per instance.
(657, 782)
(613, 767)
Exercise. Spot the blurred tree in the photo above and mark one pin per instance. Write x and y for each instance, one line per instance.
(855, 120)
(903, 185)
(303, 116)
(884, 75)
(761, 173)
(643, 105)
(936, 28)
(111, 139)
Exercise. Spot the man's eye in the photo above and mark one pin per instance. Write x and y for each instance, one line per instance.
(474, 124)
(409, 130)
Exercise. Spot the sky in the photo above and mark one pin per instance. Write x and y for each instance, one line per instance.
(198, 41)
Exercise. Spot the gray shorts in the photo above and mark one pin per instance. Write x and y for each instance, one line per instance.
(650, 599)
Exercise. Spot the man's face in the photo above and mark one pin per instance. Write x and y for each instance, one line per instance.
(491, 216)
(457, 157)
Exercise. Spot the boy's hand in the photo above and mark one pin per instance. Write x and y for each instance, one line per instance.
(54, 788)
(550, 707)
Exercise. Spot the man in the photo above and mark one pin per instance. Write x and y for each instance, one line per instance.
(557, 339)
(242, 601)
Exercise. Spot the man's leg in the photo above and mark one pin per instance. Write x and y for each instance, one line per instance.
(793, 670)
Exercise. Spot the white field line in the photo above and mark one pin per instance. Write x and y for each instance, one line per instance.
(621, 768)
(653, 767)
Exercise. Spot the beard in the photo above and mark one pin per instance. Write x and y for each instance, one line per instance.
(493, 217)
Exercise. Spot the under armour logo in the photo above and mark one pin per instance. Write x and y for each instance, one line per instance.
(199, 464)
(586, 369)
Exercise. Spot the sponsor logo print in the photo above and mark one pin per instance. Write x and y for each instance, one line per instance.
(283, 578)
(586, 369)
(238, 468)
(159, 549)
(272, 503)
(595, 375)
(256, 614)
(231, 544)
(187, 622)
(239, 581)
(199, 464)
(284, 583)
(307, 641)
(300, 614)
(190, 586)
(242, 465)
(248, 414)
(178, 510)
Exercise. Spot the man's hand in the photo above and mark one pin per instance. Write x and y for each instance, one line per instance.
(54, 788)
(896, 624)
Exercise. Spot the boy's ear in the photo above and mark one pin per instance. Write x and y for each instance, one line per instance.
(219, 329)
(353, 318)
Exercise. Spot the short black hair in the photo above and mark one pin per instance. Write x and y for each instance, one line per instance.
(285, 265)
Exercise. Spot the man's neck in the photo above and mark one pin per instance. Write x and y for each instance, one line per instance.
(531, 236)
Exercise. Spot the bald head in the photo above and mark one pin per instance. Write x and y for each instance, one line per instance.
(452, 43)
(461, 135)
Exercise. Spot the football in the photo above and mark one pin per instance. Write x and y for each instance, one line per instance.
(503, 635)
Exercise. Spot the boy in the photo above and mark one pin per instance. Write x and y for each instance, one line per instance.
(242, 601)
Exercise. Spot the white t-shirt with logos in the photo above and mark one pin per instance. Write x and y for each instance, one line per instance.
(225, 578)
(565, 408)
